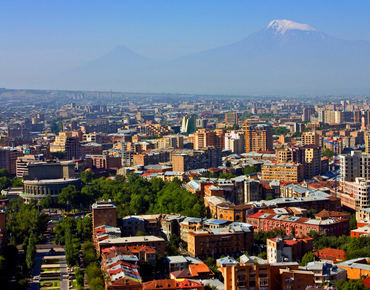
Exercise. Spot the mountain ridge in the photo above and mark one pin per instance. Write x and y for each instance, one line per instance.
(282, 57)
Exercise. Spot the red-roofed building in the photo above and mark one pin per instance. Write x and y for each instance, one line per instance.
(331, 255)
(123, 284)
(300, 225)
(200, 271)
(171, 284)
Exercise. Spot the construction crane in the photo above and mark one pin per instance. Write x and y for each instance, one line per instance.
(335, 158)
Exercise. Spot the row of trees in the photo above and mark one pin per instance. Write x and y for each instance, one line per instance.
(80, 228)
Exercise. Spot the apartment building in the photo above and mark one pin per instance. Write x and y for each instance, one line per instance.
(355, 164)
(255, 274)
(206, 158)
(282, 249)
(306, 114)
(151, 158)
(233, 239)
(204, 138)
(231, 119)
(8, 159)
(149, 224)
(298, 225)
(151, 241)
(258, 138)
(282, 171)
(104, 212)
(310, 138)
(360, 190)
(235, 141)
(106, 161)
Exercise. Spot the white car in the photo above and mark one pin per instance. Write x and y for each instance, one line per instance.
(36, 278)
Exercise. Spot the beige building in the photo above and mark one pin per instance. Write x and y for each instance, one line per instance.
(283, 171)
(310, 138)
(231, 119)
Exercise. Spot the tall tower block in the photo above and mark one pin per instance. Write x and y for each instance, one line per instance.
(246, 136)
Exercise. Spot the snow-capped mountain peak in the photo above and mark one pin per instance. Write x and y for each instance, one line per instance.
(280, 26)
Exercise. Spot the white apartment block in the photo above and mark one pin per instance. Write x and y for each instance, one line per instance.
(360, 190)
(356, 164)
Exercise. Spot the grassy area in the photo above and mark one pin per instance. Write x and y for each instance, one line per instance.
(48, 284)
(50, 261)
(73, 284)
(49, 269)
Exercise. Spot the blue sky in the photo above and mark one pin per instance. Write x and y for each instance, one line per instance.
(51, 36)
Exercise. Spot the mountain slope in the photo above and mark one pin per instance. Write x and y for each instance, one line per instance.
(283, 58)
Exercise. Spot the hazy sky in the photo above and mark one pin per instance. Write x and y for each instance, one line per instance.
(38, 37)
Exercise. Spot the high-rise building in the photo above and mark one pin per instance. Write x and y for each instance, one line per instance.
(8, 159)
(72, 148)
(201, 123)
(205, 138)
(231, 119)
(365, 120)
(333, 117)
(307, 112)
(235, 141)
(258, 138)
(354, 165)
(367, 142)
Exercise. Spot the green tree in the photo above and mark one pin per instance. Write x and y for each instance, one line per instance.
(60, 126)
(87, 177)
(140, 234)
(46, 202)
(352, 222)
(308, 257)
(147, 271)
(280, 130)
(250, 170)
(311, 212)
(53, 127)
(5, 182)
(69, 195)
(17, 182)
(4, 172)
(351, 284)
(24, 219)
(84, 228)
(327, 152)
(31, 252)
(69, 251)
(269, 198)
(228, 164)
(296, 134)
(263, 255)
(89, 253)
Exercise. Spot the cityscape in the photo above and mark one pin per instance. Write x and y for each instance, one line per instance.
(204, 145)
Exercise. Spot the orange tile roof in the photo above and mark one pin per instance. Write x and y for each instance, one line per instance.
(197, 269)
